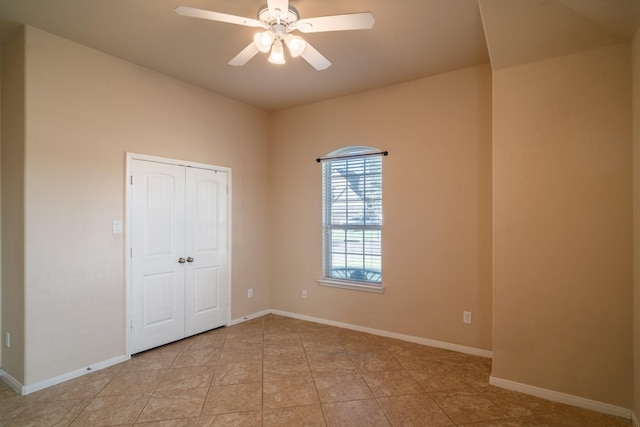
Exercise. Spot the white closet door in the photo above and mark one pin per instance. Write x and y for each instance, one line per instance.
(179, 252)
(207, 270)
(158, 244)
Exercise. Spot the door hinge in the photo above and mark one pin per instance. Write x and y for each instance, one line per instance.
(131, 180)
(131, 252)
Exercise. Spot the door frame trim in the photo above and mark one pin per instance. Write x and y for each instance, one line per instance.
(127, 240)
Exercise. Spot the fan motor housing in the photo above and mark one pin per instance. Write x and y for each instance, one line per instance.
(268, 18)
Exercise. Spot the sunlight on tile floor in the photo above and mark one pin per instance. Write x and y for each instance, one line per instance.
(278, 371)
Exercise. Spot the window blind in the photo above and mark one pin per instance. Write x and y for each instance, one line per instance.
(352, 218)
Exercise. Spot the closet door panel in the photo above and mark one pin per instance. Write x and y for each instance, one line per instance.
(206, 240)
(158, 241)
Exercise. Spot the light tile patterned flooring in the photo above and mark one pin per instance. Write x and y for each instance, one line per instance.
(278, 371)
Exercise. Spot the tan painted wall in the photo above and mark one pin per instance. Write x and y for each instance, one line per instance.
(563, 225)
(437, 206)
(1, 328)
(561, 189)
(85, 110)
(636, 223)
(12, 169)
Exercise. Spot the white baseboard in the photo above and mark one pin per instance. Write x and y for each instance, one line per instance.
(418, 340)
(498, 382)
(31, 388)
(249, 317)
(13, 383)
(555, 396)
(568, 399)
(40, 385)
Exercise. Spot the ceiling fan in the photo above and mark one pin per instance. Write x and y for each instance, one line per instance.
(279, 19)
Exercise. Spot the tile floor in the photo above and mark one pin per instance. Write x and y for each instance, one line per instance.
(277, 371)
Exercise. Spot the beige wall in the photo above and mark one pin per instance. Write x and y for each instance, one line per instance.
(1, 328)
(84, 111)
(636, 223)
(437, 206)
(12, 169)
(562, 225)
(561, 214)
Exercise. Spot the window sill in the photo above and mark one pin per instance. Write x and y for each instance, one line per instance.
(356, 286)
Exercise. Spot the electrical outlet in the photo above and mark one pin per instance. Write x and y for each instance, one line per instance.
(250, 293)
(466, 316)
(304, 293)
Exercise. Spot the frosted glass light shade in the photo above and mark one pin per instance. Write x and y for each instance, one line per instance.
(277, 53)
(263, 41)
(295, 44)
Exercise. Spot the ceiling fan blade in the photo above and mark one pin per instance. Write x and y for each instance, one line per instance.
(217, 16)
(282, 5)
(245, 55)
(350, 21)
(315, 58)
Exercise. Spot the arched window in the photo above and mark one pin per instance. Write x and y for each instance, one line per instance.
(352, 218)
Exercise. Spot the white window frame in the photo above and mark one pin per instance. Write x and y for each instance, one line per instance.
(342, 155)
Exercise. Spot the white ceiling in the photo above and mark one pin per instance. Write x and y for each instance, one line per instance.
(411, 39)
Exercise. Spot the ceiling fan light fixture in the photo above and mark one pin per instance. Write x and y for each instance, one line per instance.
(277, 53)
(263, 41)
(279, 18)
(295, 44)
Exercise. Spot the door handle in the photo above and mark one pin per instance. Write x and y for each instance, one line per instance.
(189, 259)
(181, 260)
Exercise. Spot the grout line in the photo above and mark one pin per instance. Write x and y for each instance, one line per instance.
(313, 377)
(335, 339)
